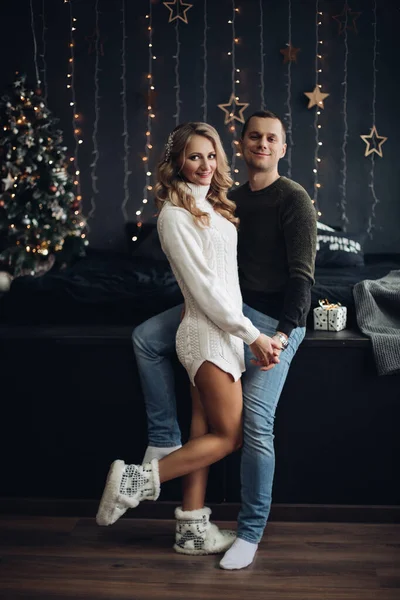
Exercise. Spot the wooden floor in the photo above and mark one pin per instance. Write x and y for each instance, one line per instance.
(68, 558)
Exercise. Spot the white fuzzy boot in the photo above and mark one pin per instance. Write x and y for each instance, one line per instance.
(126, 486)
(196, 535)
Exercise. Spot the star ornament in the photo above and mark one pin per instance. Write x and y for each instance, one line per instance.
(92, 39)
(289, 53)
(177, 10)
(8, 182)
(316, 97)
(347, 19)
(230, 110)
(374, 142)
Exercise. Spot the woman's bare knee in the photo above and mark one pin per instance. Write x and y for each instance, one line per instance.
(231, 441)
(239, 440)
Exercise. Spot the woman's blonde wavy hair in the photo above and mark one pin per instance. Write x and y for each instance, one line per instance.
(172, 187)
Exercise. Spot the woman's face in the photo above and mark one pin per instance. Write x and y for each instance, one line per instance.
(200, 161)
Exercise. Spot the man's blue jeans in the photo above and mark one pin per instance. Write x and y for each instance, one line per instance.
(154, 343)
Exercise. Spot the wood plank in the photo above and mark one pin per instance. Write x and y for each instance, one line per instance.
(61, 559)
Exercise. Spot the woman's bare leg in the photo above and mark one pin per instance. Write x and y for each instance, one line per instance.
(195, 484)
(222, 401)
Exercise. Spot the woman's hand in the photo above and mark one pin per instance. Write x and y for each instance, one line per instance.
(266, 351)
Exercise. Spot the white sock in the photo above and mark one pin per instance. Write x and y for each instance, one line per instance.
(240, 555)
(158, 453)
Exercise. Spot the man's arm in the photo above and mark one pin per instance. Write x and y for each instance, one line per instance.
(300, 232)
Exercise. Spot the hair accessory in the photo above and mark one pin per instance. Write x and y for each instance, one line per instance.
(168, 147)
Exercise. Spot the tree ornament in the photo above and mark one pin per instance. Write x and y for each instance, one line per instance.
(8, 182)
(5, 281)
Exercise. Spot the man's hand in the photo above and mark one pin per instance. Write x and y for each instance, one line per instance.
(266, 351)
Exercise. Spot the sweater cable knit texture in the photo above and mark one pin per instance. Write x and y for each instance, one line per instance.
(204, 262)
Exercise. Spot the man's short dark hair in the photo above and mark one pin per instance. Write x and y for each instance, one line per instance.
(264, 114)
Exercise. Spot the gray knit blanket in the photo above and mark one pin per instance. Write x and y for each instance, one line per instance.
(378, 316)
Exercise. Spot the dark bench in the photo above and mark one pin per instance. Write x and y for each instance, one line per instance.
(71, 403)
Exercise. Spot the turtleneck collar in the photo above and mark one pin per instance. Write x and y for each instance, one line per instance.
(199, 192)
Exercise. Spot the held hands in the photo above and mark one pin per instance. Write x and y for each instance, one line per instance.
(266, 351)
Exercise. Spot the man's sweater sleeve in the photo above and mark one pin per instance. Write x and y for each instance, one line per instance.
(183, 247)
(300, 232)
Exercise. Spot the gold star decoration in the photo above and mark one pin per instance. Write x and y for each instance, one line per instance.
(316, 97)
(177, 7)
(344, 19)
(374, 142)
(289, 53)
(230, 108)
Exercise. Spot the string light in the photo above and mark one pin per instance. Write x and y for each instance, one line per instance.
(71, 83)
(262, 55)
(371, 184)
(343, 170)
(125, 134)
(95, 151)
(317, 126)
(43, 56)
(34, 46)
(205, 63)
(177, 82)
(150, 116)
(288, 103)
(234, 81)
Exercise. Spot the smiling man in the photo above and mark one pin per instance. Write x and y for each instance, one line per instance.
(277, 228)
(276, 254)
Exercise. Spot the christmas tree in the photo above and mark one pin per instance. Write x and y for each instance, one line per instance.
(40, 215)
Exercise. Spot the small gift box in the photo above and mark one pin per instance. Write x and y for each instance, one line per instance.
(331, 317)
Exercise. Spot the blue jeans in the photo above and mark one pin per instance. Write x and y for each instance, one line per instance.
(154, 343)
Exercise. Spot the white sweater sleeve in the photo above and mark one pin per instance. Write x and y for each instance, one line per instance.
(182, 245)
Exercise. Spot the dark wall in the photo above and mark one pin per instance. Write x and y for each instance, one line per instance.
(107, 223)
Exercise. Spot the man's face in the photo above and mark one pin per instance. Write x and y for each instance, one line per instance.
(262, 145)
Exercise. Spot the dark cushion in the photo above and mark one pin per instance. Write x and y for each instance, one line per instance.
(340, 249)
(103, 287)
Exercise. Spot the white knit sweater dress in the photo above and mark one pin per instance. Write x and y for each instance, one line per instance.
(204, 262)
